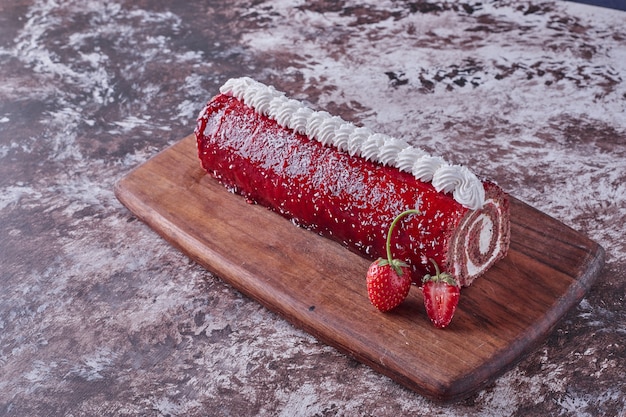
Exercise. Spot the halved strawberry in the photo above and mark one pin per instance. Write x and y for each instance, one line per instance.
(441, 296)
(389, 280)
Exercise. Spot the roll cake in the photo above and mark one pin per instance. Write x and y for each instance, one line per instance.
(348, 183)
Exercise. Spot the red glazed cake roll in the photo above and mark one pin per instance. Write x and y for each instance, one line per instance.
(348, 183)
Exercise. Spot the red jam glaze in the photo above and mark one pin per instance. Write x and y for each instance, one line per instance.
(342, 197)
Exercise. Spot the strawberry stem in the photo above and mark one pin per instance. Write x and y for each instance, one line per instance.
(436, 266)
(440, 276)
(388, 243)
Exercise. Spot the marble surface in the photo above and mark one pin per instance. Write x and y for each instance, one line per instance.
(100, 316)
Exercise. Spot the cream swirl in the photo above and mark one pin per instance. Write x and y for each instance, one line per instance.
(342, 136)
(425, 167)
(327, 130)
(390, 151)
(407, 157)
(465, 187)
(315, 123)
(259, 98)
(371, 146)
(282, 109)
(236, 87)
(300, 119)
(356, 139)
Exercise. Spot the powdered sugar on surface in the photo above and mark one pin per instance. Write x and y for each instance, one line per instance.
(98, 315)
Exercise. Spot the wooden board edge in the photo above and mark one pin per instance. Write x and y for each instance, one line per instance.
(467, 386)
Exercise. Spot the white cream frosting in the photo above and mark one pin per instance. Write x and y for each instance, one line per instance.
(389, 152)
(465, 187)
(342, 136)
(356, 139)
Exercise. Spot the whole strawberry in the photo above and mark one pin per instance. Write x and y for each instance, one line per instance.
(388, 284)
(441, 296)
(389, 280)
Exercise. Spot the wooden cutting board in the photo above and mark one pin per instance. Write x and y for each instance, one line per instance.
(320, 287)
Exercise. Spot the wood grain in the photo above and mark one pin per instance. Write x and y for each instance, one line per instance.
(319, 286)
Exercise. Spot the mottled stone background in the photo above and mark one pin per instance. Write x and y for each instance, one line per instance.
(99, 316)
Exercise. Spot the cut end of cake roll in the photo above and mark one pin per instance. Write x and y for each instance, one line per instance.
(481, 238)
